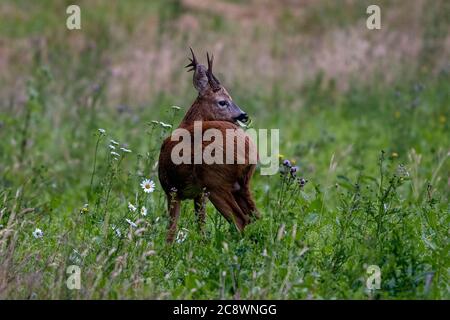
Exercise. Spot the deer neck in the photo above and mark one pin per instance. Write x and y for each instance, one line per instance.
(195, 113)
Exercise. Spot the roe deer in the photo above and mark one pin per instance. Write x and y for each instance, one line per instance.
(225, 185)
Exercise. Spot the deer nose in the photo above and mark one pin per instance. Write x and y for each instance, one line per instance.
(243, 117)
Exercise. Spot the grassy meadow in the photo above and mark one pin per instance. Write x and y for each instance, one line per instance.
(363, 114)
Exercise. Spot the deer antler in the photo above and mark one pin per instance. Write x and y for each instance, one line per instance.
(213, 81)
(193, 63)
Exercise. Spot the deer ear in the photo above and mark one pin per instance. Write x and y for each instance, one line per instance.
(200, 79)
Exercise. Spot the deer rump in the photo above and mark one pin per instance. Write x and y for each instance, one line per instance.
(227, 185)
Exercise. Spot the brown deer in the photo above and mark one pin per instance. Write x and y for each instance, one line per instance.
(225, 185)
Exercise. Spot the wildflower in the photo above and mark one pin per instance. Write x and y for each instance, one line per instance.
(37, 233)
(144, 211)
(113, 153)
(125, 150)
(165, 125)
(293, 161)
(394, 154)
(102, 131)
(286, 163)
(75, 257)
(402, 171)
(155, 122)
(116, 231)
(112, 147)
(302, 182)
(176, 107)
(131, 223)
(114, 142)
(294, 171)
(85, 208)
(281, 156)
(181, 236)
(131, 207)
(148, 185)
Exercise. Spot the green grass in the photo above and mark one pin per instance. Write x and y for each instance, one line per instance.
(376, 157)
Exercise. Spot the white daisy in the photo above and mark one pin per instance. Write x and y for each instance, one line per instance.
(115, 154)
(144, 211)
(131, 207)
(114, 142)
(125, 150)
(131, 223)
(176, 107)
(37, 233)
(112, 147)
(148, 185)
(155, 122)
(102, 131)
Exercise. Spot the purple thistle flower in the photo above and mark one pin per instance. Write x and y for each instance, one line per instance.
(294, 170)
(286, 163)
(302, 182)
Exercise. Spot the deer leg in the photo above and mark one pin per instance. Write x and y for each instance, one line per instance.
(227, 206)
(200, 207)
(245, 201)
(174, 212)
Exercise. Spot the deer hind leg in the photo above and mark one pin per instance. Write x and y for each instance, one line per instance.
(245, 201)
(174, 212)
(200, 207)
(228, 207)
(243, 195)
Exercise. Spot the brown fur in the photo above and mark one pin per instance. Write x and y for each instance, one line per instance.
(226, 185)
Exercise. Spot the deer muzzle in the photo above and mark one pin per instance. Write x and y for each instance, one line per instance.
(243, 117)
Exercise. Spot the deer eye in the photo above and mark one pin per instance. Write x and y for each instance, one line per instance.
(223, 103)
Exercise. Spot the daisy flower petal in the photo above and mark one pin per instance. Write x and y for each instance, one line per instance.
(37, 233)
(125, 150)
(131, 223)
(131, 207)
(148, 185)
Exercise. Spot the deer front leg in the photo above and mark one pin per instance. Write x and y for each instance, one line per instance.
(200, 207)
(174, 213)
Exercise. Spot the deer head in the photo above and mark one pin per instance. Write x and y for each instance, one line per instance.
(213, 101)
